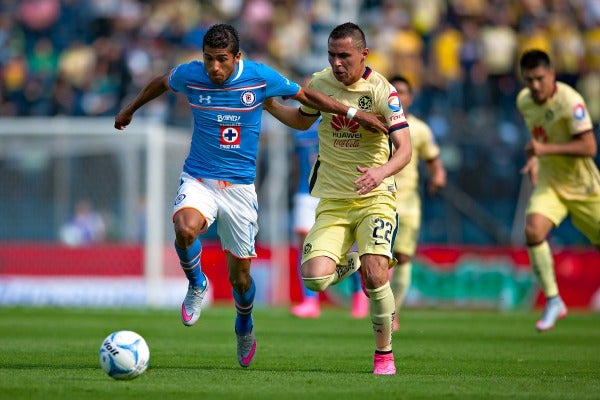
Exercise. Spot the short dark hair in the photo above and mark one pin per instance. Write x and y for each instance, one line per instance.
(351, 30)
(222, 36)
(535, 58)
(402, 79)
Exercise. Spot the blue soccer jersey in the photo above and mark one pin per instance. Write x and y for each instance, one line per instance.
(306, 148)
(227, 117)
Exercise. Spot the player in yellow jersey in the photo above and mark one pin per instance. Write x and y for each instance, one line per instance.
(561, 167)
(408, 202)
(353, 177)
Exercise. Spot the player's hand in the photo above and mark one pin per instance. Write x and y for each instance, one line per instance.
(436, 183)
(122, 119)
(369, 180)
(370, 122)
(534, 148)
(531, 168)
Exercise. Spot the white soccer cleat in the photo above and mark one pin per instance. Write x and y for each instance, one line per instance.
(555, 309)
(192, 304)
(246, 347)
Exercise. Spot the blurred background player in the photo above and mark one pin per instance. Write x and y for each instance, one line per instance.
(408, 200)
(306, 151)
(561, 167)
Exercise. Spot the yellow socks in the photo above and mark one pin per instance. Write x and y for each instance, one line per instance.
(542, 263)
(320, 283)
(400, 282)
(382, 315)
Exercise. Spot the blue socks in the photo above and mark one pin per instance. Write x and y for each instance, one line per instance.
(355, 282)
(189, 259)
(243, 307)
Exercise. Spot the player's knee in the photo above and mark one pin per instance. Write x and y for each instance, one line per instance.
(187, 224)
(533, 234)
(318, 284)
(185, 234)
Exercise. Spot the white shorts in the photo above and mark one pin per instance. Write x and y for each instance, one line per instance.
(304, 212)
(233, 206)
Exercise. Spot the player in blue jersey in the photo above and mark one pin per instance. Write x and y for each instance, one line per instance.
(226, 96)
(306, 151)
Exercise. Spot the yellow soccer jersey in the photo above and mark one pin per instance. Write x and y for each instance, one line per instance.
(343, 143)
(556, 121)
(424, 146)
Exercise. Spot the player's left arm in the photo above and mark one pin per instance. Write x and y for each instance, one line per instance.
(437, 174)
(372, 177)
(581, 145)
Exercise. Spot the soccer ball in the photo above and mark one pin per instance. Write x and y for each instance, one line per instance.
(124, 355)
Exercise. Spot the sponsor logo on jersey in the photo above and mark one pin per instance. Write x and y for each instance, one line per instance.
(204, 99)
(248, 98)
(228, 118)
(579, 112)
(340, 122)
(394, 102)
(230, 137)
(179, 198)
(539, 133)
(345, 132)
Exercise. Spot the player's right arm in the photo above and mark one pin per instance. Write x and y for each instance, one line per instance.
(290, 116)
(152, 90)
(531, 169)
(581, 145)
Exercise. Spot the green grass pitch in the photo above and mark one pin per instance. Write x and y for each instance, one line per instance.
(52, 353)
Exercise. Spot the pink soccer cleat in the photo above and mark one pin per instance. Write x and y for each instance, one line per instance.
(383, 364)
(192, 304)
(309, 308)
(360, 306)
(246, 348)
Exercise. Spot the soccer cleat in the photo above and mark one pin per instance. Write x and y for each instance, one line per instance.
(395, 324)
(555, 309)
(383, 364)
(192, 304)
(246, 347)
(360, 305)
(309, 308)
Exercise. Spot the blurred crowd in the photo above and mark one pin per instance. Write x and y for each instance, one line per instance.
(85, 57)
(89, 57)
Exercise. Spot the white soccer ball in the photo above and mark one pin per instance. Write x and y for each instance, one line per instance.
(124, 355)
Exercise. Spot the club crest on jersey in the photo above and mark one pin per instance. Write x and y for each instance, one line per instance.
(307, 248)
(365, 103)
(230, 137)
(394, 102)
(248, 98)
(579, 112)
